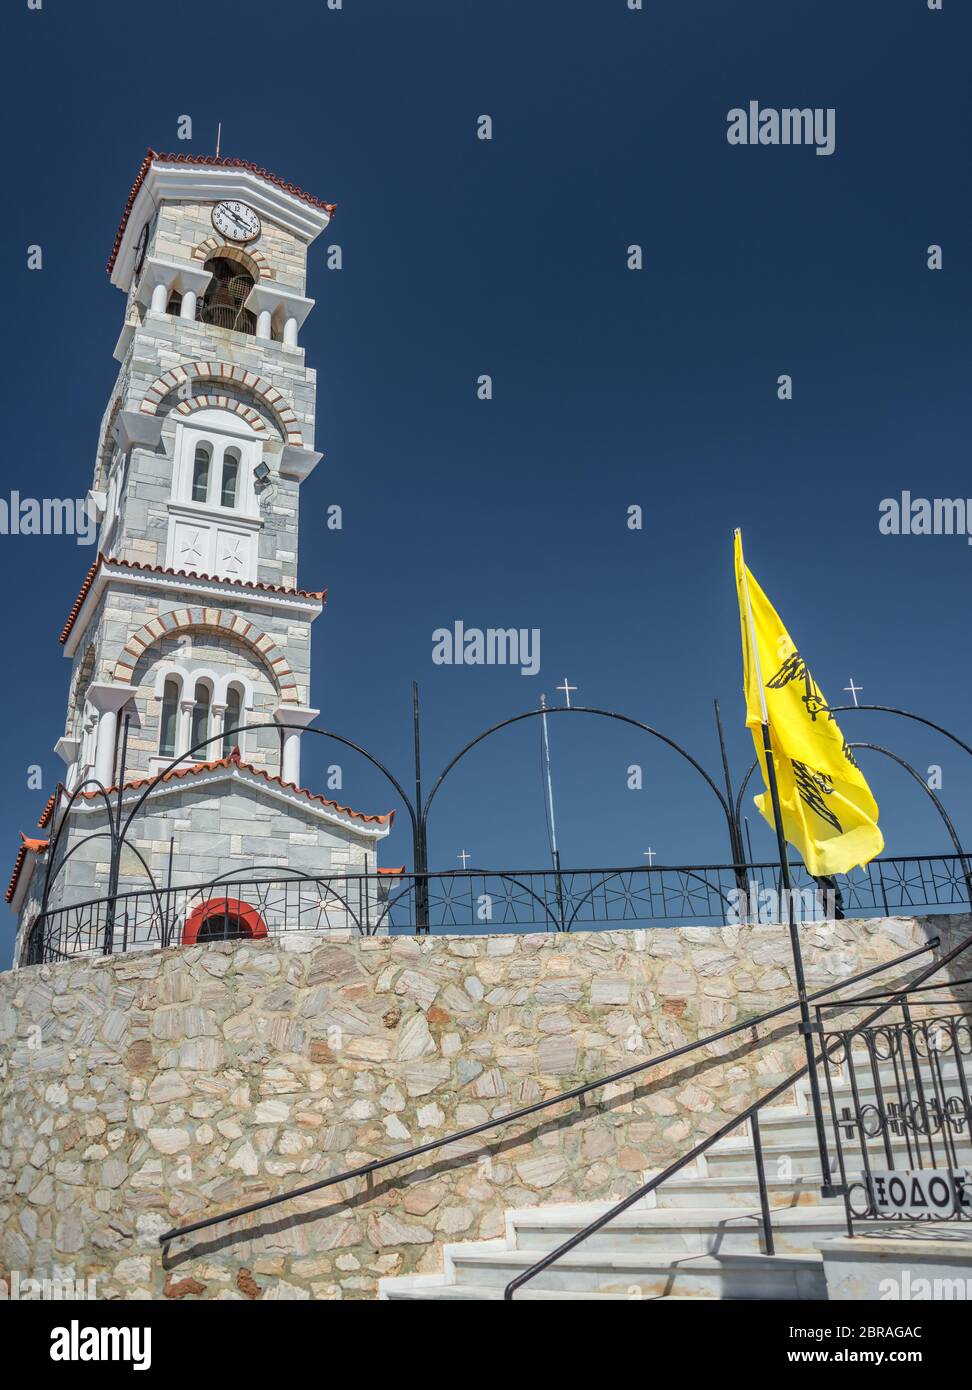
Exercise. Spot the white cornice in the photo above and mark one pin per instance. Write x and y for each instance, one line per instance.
(230, 595)
(201, 183)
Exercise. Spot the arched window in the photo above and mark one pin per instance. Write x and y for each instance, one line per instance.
(200, 719)
(226, 293)
(169, 720)
(222, 919)
(200, 472)
(232, 719)
(231, 475)
(174, 306)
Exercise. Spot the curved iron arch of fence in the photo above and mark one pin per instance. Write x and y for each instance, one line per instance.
(279, 727)
(118, 832)
(906, 714)
(51, 872)
(577, 709)
(418, 816)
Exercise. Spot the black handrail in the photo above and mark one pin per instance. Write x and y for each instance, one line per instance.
(575, 1091)
(607, 1217)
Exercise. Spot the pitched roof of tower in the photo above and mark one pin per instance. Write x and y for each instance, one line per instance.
(319, 595)
(27, 846)
(214, 162)
(234, 759)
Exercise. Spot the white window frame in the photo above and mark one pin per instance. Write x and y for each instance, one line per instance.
(221, 430)
(206, 537)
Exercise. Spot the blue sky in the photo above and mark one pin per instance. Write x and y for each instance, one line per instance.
(611, 387)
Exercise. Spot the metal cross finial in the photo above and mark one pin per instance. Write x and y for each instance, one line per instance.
(853, 689)
(649, 854)
(566, 689)
(463, 856)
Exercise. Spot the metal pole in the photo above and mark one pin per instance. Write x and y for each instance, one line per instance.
(555, 853)
(116, 844)
(806, 1024)
(419, 849)
(168, 894)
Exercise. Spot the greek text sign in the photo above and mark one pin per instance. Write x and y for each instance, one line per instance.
(940, 1192)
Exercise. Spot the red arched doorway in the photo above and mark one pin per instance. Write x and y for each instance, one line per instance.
(222, 919)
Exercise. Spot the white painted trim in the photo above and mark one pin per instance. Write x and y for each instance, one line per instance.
(230, 595)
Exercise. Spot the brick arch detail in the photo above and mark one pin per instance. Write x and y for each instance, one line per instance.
(216, 619)
(191, 373)
(210, 402)
(252, 260)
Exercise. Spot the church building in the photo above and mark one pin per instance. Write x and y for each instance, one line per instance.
(189, 627)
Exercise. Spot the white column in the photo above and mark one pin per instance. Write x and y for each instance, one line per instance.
(263, 323)
(301, 716)
(290, 333)
(107, 699)
(188, 309)
(217, 719)
(160, 298)
(183, 733)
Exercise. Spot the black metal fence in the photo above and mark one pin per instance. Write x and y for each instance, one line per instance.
(899, 1092)
(479, 901)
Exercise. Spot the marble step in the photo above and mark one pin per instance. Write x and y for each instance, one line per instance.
(693, 1191)
(638, 1274)
(465, 1293)
(675, 1231)
(798, 1158)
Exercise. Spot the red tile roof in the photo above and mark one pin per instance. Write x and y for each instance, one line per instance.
(153, 157)
(318, 595)
(26, 848)
(231, 760)
(234, 760)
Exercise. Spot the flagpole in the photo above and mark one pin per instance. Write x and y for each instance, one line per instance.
(806, 1025)
(554, 851)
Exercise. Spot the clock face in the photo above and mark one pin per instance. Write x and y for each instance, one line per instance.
(236, 221)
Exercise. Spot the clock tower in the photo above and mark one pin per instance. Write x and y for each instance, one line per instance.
(190, 625)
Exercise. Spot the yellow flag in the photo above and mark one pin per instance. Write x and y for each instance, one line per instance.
(829, 814)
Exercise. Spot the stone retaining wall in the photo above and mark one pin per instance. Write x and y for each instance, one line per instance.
(142, 1091)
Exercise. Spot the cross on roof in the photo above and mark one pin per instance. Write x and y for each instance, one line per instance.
(853, 689)
(463, 856)
(567, 689)
(649, 854)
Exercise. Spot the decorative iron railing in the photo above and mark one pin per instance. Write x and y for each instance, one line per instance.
(899, 1092)
(481, 901)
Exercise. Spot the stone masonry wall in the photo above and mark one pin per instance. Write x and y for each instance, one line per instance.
(146, 1090)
